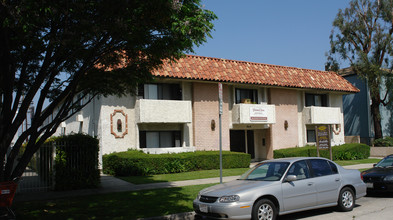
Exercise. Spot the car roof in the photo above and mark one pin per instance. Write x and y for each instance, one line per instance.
(293, 159)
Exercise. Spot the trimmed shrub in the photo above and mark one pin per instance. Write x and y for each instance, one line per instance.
(76, 162)
(137, 163)
(341, 152)
(384, 142)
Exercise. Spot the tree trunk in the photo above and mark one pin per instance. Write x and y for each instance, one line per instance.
(376, 115)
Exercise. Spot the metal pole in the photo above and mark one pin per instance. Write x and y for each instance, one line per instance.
(316, 139)
(330, 145)
(220, 150)
(219, 121)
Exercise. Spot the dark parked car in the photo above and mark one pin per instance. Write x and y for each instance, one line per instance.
(380, 177)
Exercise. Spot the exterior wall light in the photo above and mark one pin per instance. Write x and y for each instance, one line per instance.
(336, 129)
(213, 125)
(286, 125)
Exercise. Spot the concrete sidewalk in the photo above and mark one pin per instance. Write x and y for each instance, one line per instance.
(111, 184)
(360, 166)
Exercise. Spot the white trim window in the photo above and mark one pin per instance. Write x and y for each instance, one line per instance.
(160, 91)
(246, 94)
(159, 139)
(316, 100)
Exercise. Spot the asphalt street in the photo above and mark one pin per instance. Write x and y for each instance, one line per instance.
(375, 206)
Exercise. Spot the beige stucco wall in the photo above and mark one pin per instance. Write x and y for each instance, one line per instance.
(108, 142)
(336, 100)
(89, 115)
(205, 109)
(285, 101)
(96, 121)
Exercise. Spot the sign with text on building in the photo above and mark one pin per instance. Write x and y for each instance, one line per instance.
(258, 114)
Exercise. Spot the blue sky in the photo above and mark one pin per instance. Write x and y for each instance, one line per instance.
(287, 32)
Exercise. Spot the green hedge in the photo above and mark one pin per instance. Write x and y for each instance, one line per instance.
(384, 142)
(137, 163)
(341, 152)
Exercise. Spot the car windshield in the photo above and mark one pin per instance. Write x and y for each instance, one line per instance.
(269, 171)
(385, 162)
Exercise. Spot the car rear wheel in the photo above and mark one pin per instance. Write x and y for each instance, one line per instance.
(346, 199)
(264, 209)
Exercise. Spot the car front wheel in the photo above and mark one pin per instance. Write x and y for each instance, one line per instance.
(346, 199)
(264, 209)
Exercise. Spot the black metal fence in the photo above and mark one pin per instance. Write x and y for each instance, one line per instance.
(64, 163)
(38, 176)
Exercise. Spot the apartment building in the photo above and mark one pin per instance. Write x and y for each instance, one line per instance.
(264, 107)
(357, 110)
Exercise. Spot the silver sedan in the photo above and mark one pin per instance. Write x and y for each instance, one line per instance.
(282, 186)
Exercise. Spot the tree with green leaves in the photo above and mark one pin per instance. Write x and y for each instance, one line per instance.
(65, 51)
(362, 35)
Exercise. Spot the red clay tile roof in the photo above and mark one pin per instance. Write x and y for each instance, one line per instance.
(233, 71)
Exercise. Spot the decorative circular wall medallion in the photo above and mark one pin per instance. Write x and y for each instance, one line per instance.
(120, 128)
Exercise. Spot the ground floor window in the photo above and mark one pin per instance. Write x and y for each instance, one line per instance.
(159, 139)
(311, 136)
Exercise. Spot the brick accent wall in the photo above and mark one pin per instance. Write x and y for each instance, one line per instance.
(205, 109)
(286, 110)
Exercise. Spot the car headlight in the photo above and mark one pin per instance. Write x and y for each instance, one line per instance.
(227, 199)
(388, 178)
(199, 196)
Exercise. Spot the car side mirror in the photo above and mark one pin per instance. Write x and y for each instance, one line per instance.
(374, 164)
(290, 178)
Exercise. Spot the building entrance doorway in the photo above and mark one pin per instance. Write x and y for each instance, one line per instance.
(242, 141)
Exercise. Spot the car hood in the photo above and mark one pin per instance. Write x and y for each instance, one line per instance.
(235, 187)
(379, 171)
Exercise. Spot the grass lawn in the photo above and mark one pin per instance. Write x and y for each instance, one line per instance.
(213, 173)
(353, 162)
(123, 205)
(183, 176)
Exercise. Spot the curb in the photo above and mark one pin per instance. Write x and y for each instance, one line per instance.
(178, 216)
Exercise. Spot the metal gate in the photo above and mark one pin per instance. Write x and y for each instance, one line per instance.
(38, 176)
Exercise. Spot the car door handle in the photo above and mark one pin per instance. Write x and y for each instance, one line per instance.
(337, 179)
(310, 184)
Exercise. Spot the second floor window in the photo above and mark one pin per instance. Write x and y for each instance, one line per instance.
(316, 100)
(246, 96)
(160, 91)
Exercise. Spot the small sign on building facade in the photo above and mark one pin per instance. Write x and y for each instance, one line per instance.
(258, 114)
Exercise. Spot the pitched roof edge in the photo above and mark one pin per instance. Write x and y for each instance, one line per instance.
(261, 84)
(183, 63)
(263, 64)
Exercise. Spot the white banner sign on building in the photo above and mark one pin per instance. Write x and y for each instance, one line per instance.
(258, 114)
